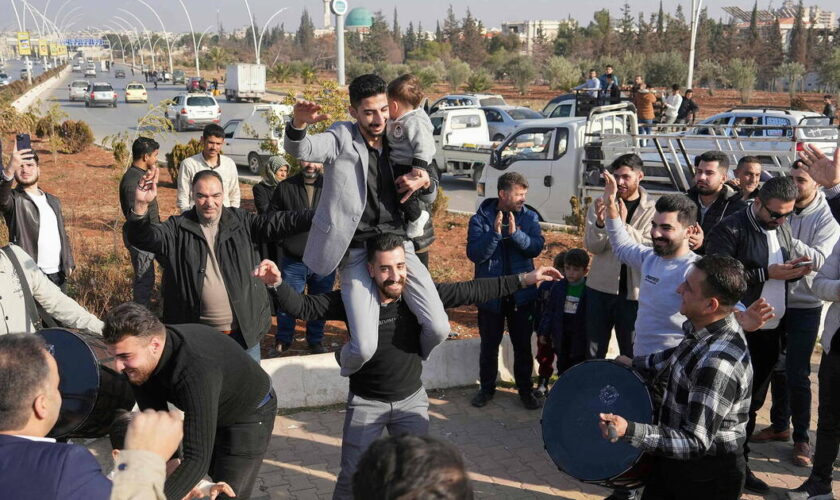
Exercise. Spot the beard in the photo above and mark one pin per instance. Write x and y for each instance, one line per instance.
(26, 184)
(137, 376)
(705, 190)
(666, 247)
(310, 175)
(386, 292)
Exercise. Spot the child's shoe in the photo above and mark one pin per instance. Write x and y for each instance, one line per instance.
(415, 228)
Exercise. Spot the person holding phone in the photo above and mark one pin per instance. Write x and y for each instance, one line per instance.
(34, 217)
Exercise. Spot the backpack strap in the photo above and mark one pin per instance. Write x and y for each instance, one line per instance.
(31, 306)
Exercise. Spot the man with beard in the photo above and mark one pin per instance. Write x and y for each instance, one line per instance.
(387, 393)
(761, 239)
(613, 303)
(227, 399)
(714, 198)
(34, 217)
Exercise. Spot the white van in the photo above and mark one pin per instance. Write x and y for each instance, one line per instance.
(244, 138)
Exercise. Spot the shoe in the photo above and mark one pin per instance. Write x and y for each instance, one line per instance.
(623, 495)
(802, 454)
(811, 490)
(769, 434)
(529, 401)
(452, 335)
(280, 348)
(754, 484)
(415, 228)
(481, 398)
(317, 348)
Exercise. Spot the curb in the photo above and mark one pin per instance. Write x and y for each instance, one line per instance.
(31, 95)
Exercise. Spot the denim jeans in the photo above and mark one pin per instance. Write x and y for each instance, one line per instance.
(253, 351)
(644, 126)
(491, 327)
(298, 276)
(605, 311)
(791, 388)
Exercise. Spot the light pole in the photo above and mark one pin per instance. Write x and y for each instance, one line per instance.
(339, 8)
(695, 19)
(202, 35)
(130, 44)
(192, 31)
(136, 35)
(165, 34)
(148, 38)
(258, 44)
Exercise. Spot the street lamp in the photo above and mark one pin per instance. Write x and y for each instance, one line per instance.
(695, 19)
(257, 44)
(149, 38)
(136, 35)
(192, 31)
(165, 34)
(202, 35)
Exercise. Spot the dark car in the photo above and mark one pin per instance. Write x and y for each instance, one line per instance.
(119, 74)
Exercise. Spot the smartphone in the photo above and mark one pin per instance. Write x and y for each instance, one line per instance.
(802, 264)
(23, 142)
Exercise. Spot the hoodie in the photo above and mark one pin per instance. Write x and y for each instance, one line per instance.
(727, 203)
(814, 232)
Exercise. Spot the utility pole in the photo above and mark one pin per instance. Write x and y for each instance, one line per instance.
(339, 8)
(695, 19)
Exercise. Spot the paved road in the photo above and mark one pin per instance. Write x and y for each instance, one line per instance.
(13, 67)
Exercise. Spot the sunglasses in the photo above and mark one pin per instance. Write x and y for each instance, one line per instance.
(776, 215)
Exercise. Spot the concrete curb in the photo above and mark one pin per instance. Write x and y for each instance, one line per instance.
(31, 95)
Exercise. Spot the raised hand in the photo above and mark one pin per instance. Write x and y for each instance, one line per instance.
(622, 210)
(497, 225)
(306, 113)
(544, 273)
(695, 236)
(17, 160)
(269, 273)
(600, 210)
(824, 171)
(146, 191)
(511, 223)
(610, 187)
(755, 316)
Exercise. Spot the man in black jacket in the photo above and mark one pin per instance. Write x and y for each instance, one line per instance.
(387, 391)
(714, 198)
(227, 400)
(34, 217)
(207, 254)
(300, 192)
(760, 238)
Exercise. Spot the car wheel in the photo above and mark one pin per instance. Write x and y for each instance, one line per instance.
(498, 138)
(254, 163)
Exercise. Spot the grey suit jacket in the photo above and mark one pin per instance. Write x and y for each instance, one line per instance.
(343, 152)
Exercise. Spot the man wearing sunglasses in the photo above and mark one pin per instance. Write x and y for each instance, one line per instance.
(760, 237)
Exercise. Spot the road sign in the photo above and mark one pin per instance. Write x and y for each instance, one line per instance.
(339, 7)
(24, 48)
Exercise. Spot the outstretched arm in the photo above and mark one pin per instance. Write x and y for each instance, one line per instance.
(481, 290)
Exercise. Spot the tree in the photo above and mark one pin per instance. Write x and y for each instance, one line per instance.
(665, 69)
(830, 70)
(792, 72)
(560, 73)
(480, 81)
(451, 27)
(522, 72)
(471, 47)
(741, 73)
(457, 72)
(798, 37)
(217, 57)
(396, 29)
(625, 27)
(305, 36)
(711, 74)
(410, 40)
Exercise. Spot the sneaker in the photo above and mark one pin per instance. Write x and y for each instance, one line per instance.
(317, 348)
(481, 398)
(280, 348)
(529, 401)
(754, 484)
(802, 454)
(811, 490)
(769, 434)
(415, 228)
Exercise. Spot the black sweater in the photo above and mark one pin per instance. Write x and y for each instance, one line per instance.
(393, 373)
(215, 383)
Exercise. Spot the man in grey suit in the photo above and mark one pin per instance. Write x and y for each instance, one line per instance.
(359, 200)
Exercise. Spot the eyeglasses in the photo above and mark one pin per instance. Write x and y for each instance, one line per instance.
(776, 215)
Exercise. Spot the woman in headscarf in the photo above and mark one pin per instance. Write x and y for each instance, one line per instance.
(275, 171)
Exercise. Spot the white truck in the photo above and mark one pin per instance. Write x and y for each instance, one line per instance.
(244, 82)
(245, 139)
(462, 142)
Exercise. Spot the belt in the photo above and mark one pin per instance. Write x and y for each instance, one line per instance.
(266, 399)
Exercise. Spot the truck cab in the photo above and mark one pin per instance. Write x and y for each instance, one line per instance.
(245, 138)
(455, 129)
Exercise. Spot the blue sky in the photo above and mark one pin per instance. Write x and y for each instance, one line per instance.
(233, 13)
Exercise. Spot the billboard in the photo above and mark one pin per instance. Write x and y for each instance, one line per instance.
(43, 47)
(24, 48)
(54, 49)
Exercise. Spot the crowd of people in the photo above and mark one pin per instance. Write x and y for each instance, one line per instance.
(714, 296)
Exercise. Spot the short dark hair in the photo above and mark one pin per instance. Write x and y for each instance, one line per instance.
(689, 91)
(725, 279)
(744, 160)
(675, 87)
(130, 319)
(365, 86)
(592, 69)
(23, 370)
(510, 179)
(213, 130)
(797, 164)
(143, 146)
(609, 66)
(406, 88)
(827, 96)
(201, 174)
(710, 156)
(559, 260)
(119, 428)
(384, 242)
(631, 160)
(778, 188)
(409, 466)
(681, 204)
(576, 257)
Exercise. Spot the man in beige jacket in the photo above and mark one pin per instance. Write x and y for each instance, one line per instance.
(210, 158)
(613, 288)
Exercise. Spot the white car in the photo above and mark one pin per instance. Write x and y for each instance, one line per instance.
(4, 79)
(193, 111)
(100, 93)
(245, 139)
(90, 70)
(77, 68)
(78, 90)
(467, 100)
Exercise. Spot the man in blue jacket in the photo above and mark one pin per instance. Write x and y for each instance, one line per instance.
(504, 237)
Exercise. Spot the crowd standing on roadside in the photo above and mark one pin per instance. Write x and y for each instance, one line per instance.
(715, 297)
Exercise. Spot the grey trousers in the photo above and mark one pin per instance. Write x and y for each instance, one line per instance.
(363, 424)
(144, 274)
(361, 303)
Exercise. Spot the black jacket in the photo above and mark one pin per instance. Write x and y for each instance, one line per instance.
(22, 220)
(741, 237)
(180, 247)
(291, 195)
(728, 202)
(262, 197)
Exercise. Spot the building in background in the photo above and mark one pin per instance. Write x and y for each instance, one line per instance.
(530, 32)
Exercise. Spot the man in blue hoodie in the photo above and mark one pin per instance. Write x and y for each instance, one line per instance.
(504, 237)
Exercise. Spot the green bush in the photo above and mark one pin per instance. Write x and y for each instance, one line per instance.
(742, 74)
(178, 154)
(75, 135)
(560, 73)
(479, 82)
(357, 68)
(45, 126)
(13, 121)
(664, 69)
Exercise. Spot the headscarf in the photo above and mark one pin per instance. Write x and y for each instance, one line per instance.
(271, 167)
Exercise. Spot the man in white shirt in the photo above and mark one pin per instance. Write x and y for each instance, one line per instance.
(592, 84)
(210, 158)
(34, 217)
(672, 103)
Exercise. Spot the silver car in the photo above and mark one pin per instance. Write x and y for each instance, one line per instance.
(501, 120)
(4, 79)
(78, 90)
(193, 111)
(100, 93)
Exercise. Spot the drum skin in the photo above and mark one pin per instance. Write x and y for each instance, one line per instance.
(92, 391)
(570, 428)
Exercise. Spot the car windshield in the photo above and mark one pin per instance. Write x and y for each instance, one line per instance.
(493, 101)
(135, 87)
(523, 114)
(201, 101)
(102, 88)
(80, 85)
(178, 72)
(4, 75)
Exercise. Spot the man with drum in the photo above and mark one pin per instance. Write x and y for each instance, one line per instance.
(699, 438)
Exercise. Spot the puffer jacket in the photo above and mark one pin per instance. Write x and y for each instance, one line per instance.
(498, 255)
(728, 202)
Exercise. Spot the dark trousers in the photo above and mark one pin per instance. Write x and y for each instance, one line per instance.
(705, 478)
(764, 347)
(828, 418)
(299, 277)
(59, 279)
(491, 326)
(239, 449)
(605, 311)
(790, 387)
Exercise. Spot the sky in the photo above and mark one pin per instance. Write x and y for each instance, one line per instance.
(233, 13)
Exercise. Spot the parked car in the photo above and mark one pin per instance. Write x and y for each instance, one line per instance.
(178, 76)
(164, 76)
(119, 73)
(136, 92)
(471, 100)
(245, 139)
(78, 90)
(501, 120)
(193, 111)
(4, 79)
(561, 106)
(99, 93)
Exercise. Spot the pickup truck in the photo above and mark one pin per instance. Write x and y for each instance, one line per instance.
(462, 141)
(244, 138)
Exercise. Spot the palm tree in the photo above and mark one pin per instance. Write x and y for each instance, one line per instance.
(218, 57)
